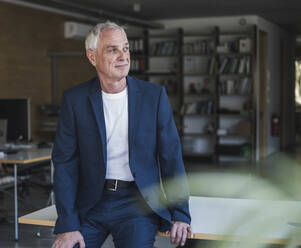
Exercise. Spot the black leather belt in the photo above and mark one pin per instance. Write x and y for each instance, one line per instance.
(112, 184)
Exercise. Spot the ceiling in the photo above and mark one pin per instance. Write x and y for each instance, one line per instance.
(286, 13)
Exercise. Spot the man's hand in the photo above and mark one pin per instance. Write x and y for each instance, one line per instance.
(178, 232)
(69, 240)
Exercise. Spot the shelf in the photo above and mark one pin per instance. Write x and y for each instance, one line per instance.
(247, 115)
(162, 73)
(162, 56)
(199, 134)
(200, 74)
(198, 115)
(235, 95)
(198, 155)
(234, 136)
(196, 35)
(234, 54)
(158, 36)
(198, 95)
(235, 75)
(199, 54)
(233, 160)
(240, 156)
(136, 56)
(243, 34)
(203, 69)
(234, 150)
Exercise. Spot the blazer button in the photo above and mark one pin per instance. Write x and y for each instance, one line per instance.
(134, 174)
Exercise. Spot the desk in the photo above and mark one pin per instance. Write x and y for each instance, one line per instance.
(24, 157)
(222, 219)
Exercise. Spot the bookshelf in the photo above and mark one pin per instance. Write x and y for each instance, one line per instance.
(198, 108)
(139, 57)
(209, 79)
(236, 116)
(164, 66)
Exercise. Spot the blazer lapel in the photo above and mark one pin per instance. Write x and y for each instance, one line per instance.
(134, 102)
(97, 106)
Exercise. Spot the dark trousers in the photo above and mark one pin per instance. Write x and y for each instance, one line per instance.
(125, 215)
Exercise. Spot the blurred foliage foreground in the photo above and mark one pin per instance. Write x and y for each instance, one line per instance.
(252, 208)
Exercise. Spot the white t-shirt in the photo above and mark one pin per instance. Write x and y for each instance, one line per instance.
(115, 108)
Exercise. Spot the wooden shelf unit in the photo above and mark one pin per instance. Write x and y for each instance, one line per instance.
(195, 68)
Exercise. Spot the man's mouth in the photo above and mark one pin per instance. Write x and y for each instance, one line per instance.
(121, 66)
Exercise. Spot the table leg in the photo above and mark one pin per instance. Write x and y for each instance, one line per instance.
(16, 201)
(52, 201)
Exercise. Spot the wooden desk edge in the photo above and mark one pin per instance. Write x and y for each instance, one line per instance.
(28, 161)
(51, 223)
(220, 237)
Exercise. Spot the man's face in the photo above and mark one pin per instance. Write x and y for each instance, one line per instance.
(112, 58)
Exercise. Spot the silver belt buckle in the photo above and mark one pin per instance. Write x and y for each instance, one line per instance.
(115, 186)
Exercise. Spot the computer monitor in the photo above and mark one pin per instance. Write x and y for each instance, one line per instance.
(17, 114)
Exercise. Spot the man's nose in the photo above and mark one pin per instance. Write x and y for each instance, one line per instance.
(121, 55)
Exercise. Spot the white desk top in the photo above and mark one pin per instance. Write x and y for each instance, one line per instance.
(43, 217)
(223, 218)
(269, 221)
(27, 156)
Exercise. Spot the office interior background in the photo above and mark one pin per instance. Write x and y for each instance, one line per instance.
(232, 71)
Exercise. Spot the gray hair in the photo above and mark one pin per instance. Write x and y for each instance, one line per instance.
(94, 34)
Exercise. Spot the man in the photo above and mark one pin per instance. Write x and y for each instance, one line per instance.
(116, 138)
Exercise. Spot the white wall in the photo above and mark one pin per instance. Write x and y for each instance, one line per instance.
(273, 77)
(275, 36)
(205, 24)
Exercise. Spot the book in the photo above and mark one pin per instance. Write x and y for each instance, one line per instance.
(166, 48)
(245, 45)
(161, 48)
(141, 45)
(228, 66)
(230, 86)
(223, 65)
(171, 48)
(234, 65)
(248, 65)
(242, 65)
(212, 66)
(245, 86)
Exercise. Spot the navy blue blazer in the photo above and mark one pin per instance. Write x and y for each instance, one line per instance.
(79, 153)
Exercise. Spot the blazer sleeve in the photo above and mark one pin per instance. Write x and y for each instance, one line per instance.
(66, 162)
(172, 170)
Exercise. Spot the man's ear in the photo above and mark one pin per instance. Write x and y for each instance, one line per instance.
(91, 56)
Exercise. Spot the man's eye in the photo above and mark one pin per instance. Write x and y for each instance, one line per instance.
(125, 49)
(113, 50)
